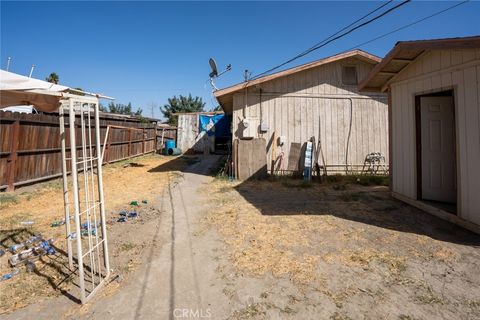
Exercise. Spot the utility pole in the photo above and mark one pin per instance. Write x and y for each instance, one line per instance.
(31, 70)
(245, 75)
(152, 106)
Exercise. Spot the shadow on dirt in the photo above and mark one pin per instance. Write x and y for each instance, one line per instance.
(54, 268)
(370, 205)
(208, 165)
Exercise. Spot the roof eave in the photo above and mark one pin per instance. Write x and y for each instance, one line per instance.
(420, 45)
(240, 86)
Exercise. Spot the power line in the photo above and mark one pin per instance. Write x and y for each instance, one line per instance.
(324, 43)
(333, 39)
(408, 25)
(344, 28)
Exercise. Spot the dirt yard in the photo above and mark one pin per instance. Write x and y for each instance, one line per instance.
(279, 249)
(341, 251)
(134, 179)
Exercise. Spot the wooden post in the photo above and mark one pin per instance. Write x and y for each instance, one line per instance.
(12, 158)
(143, 141)
(235, 157)
(107, 147)
(129, 142)
(274, 151)
(155, 131)
(390, 139)
(162, 141)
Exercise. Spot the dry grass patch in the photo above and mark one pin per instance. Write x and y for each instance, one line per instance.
(346, 243)
(43, 204)
(365, 257)
(429, 297)
(262, 244)
(445, 255)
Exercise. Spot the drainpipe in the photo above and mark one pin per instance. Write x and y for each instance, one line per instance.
(244, 111)
(261, 110)
(349, 134)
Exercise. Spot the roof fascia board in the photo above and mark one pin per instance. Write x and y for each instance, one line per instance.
(397, 74)
(379, 66)
(460, 43)
(340, 56)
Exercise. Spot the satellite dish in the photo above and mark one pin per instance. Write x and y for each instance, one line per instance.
(213, 65)
(214, 73)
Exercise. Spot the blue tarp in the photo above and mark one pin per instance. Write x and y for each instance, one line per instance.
(218, 125)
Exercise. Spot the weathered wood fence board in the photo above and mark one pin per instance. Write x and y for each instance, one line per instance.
(30, 147)
(251, 158)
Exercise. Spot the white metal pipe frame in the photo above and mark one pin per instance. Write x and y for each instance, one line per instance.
(90, 255)
(83, 197)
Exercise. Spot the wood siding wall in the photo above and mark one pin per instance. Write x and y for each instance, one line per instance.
(437, 71)
(30, 145)
(315, 101)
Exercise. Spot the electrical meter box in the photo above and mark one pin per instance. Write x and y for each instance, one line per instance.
(263, 127)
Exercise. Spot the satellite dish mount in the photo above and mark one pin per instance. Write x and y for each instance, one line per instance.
(214, 74)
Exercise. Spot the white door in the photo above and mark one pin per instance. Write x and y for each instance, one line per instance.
(438, 149)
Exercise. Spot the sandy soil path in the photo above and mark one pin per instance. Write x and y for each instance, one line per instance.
(175, 277)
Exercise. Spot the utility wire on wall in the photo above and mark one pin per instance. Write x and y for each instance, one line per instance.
(330, 39)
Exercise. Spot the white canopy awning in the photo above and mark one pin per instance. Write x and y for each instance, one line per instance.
(16, 90)
(13, 81)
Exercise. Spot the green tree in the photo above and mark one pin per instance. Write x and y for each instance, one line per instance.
(181, 104)
(120, 108)
(53, 78)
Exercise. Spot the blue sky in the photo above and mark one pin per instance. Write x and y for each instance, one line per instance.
(145, 52)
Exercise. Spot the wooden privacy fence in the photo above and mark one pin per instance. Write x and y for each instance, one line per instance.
(30, 149)
(165, 132)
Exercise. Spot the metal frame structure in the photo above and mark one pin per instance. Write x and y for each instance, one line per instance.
(106, 143)
(85, 188)
(83, 192)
